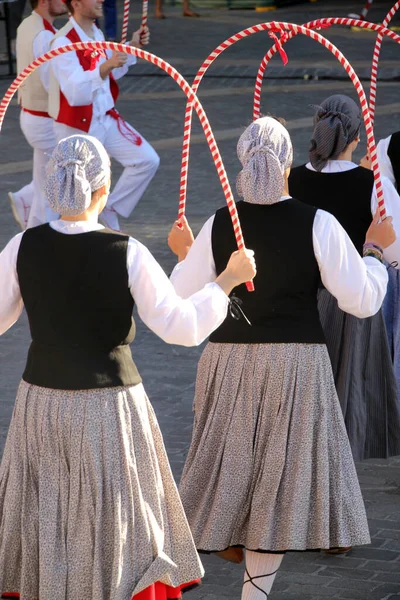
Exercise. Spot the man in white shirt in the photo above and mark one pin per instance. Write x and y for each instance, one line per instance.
(83, 90)
(33, 39)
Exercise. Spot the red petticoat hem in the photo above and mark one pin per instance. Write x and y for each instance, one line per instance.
(156, 591)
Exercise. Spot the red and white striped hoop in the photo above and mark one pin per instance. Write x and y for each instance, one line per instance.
(281, 27)
(125, 19)
(125, 22)
(375, 61)
(183, 84)
(326, 22)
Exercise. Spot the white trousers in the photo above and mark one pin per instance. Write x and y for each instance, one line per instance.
(39, 134)
(140, 162)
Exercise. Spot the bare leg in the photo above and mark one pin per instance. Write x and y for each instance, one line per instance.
(159, 10)
(186, 10)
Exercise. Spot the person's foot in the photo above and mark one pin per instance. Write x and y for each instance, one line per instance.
(232, 554)
(20, 210)
(160, 14)
(109, 217)
(190, 13)
(342, 550)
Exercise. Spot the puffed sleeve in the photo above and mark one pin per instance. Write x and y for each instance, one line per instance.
(11, 303)
(392, 203)
(358, 284)
(198, 268)
(385, 165)
(187, 322)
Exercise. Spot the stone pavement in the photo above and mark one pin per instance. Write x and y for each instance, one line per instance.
(155, 105)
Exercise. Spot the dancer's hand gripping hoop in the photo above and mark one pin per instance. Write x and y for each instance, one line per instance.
(182, 83)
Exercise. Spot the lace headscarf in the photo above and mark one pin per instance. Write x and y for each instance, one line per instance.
(265, 151)
(78, 166)
(337, 123)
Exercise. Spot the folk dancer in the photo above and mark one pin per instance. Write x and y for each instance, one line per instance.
(88, 504)
(388, 151)
(83, 92)
(358, 349)
(34, 36)
(270, 467)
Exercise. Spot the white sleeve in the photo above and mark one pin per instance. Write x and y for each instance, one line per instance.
(41, 45)
(385, 164)
(198, 268)
(77, 85)
(175, 320)
(11, 304)
(358, 284)
(392, 204)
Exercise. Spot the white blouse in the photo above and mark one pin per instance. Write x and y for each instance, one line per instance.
(85, 87)
(392, 203)
(385, 164)
(175, 320)
(358, 284)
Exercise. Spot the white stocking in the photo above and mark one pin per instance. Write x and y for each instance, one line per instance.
(260, 574)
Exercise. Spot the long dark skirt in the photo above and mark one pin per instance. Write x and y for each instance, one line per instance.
(364, 377)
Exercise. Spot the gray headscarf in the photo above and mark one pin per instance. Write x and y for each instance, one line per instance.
(337, 123)
(265, 151)
(78, 166)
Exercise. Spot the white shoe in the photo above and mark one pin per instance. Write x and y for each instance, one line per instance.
(20, 210)
(109, 217)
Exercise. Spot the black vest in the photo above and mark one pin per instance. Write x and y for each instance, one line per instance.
(75, 290)
(283, 308)
(394, 155)
(346, 195)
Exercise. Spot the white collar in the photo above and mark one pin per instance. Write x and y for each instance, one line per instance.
(335, 166)
(82, 34)
(73, 227)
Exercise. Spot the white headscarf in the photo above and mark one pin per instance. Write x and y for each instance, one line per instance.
(78, 166)
(265, 151)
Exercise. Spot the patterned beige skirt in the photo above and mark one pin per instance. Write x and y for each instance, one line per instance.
(88, 504)
(270, 466)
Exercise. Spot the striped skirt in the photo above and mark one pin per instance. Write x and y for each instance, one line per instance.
(88, 505)
(364, 378)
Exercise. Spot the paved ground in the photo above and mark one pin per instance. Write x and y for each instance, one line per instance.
(156, 106)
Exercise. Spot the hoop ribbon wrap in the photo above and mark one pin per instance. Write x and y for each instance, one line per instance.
(182, 83)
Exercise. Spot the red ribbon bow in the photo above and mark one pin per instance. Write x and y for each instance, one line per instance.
(95, 57)
(279, 42)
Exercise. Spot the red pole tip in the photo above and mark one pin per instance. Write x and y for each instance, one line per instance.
(250, 286)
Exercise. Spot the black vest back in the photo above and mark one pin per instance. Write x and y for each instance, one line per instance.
(283, 308)
(346, 195)
(75, 290)
(394, 155)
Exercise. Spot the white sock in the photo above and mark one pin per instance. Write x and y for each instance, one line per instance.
(262, 568)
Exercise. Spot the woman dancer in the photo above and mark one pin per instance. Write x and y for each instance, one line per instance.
(270, 468)
(358, 349)
(388, 151)
(88, 504)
